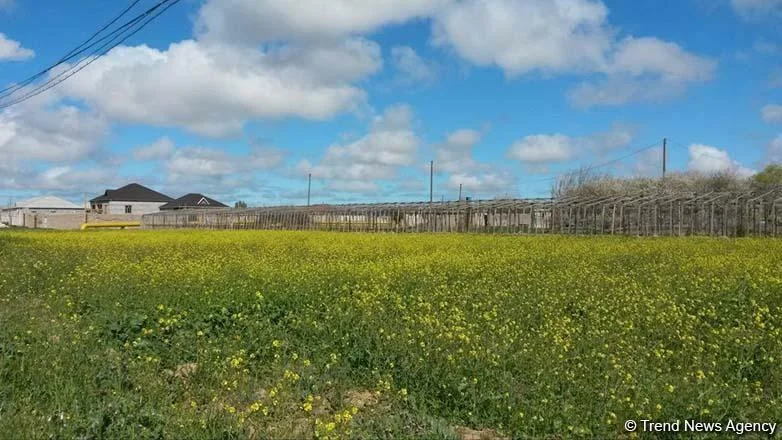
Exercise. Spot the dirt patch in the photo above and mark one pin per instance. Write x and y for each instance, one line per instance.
(465, 433)
(361, 398)
(183, 371)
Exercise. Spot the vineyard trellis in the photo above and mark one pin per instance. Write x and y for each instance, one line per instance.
(646, 214)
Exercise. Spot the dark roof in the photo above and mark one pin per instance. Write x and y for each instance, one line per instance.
(193, 201)
(132, 193)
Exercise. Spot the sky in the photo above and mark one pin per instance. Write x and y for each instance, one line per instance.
(243, 99)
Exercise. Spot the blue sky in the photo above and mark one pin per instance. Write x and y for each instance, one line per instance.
(242, 99)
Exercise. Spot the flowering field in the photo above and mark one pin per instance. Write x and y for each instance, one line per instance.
(315, 335)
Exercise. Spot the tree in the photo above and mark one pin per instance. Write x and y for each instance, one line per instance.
(770, 177)
(577, 183)
(241, 204)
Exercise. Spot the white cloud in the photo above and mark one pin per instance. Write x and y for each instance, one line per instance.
(644, 69)
(197, 163)
(772, 114)
(214, 89)
(707, 159)
(411, 68)
(390, 144)
(161, 149)
(75, 179)
(58, 179)
(651, 56)
(543, 149)
(11, 50)
(257, 21)
(482, 184)
(754, 9)
(31, 132)
(569, 36)
(524, 36)
(454, 156)
(618, 136)
(616, 91)
(216, 172)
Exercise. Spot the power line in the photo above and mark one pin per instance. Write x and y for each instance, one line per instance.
(117, 39)
(74, 52)
(109, 24)
(593, 167)
(130, 29)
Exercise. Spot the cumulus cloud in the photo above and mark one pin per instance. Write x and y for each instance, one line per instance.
(161, 149)
(755, 9)
(273, 59)
(33, 132)
(772, 114)
(541, 149)
(390, 144)
(412, 68)
(256, 21)
(454, 157)
(644, 69)
(214, 89)
(455, 154)
(198, 163)
(11, 50)
(568, 36)
(482, 184)
(520, 37)
(52, 147)
(708, 159)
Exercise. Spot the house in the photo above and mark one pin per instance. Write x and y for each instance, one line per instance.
(132, 199)
(27, 213)
(192, 201)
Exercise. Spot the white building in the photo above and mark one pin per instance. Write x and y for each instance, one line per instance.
(27, 212)
(132, 199)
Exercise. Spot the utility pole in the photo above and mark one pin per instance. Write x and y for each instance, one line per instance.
(460, 192)
(665, 155)
(431, 181)
(309, 188)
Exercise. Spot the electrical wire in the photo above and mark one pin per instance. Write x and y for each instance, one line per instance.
(74, 52)
(593, 167)
(130, 29)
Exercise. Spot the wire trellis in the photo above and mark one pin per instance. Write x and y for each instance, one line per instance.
(643, 214)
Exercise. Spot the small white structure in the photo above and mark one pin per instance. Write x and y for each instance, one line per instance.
(27, 212)
(131, 200)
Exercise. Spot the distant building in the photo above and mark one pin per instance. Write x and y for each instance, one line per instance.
(132, 199)
(192, 201)
(27, 212)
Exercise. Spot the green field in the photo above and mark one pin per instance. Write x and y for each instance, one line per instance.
(187, 334)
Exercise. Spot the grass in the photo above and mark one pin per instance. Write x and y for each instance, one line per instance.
(184, 334)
